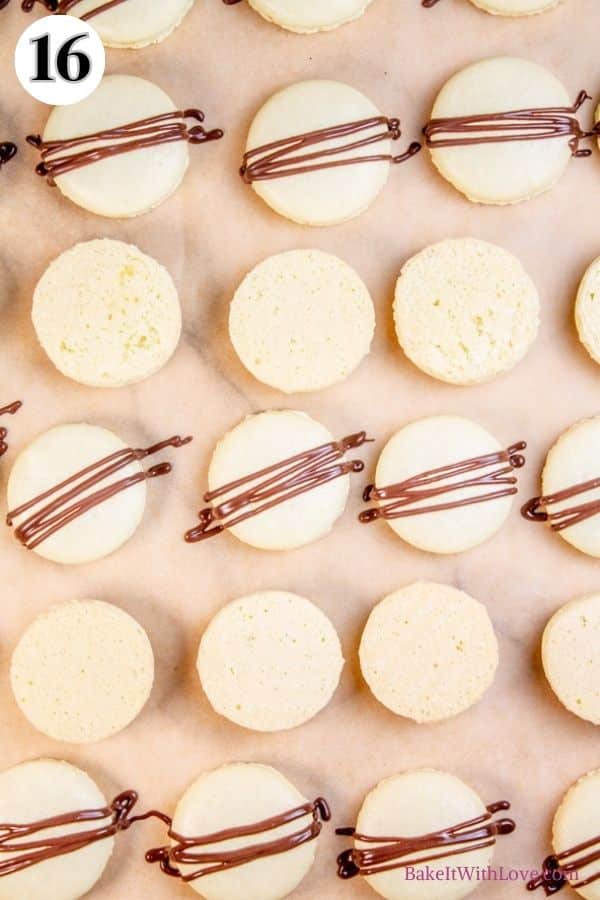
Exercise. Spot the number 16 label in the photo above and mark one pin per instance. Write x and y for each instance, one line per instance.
(59, 60)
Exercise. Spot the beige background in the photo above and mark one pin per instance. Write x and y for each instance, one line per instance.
(519, 743)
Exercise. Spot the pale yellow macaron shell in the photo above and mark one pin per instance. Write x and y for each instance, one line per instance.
(135, 23)
(301, 321)
(82, 671)
(432, 443)
(571, 656)
(262, 440)
(515, 7)
(509, 172)
(465, 310)
(428, 651)
(587, 310)
(131, 183)
(574, 459)
(42, 789)
(328, 196)
(107, 314)
(244, 794)
(59, 454)
(305, 16)
(270, 661)
(576, 822)
(414, 804)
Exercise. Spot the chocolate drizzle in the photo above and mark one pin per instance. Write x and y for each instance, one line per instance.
(151, 132)
(398, 852)
(7, 150)
(197, 851)
(557, 872)
(9, 410)
(276, 484)
(516, 125)
(30, 849)
(440, 481)
(56, 508)
(536, 509)
(281, 159)
(429, 4)
(62, 7)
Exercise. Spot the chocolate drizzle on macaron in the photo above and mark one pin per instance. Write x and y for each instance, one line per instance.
(9, 410)
(200, 852)
(262, 490)
(561, 869)
(8, 150)
(73, 497)
(399, 852)
(22, 845)
(62, 156)
(405, 497)
(62, 7)
(284, 158)
(545, 123)
(536, 509)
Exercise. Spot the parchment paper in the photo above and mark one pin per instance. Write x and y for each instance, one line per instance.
(518, 743)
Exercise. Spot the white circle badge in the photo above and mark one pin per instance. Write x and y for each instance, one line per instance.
(60, 60)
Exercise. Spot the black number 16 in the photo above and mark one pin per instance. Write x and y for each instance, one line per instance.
(64, 59)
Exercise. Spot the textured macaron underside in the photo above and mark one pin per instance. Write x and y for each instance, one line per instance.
(302, 321)
(107, 314)
(429, 651)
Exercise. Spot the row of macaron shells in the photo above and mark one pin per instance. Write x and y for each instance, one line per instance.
(124, 27)
(365, 829)
(269, 854)
(465, 312)
(319, 152)
(279, 481)
(272, 660)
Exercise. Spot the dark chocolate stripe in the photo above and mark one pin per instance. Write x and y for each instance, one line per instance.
(397, 852)
(151, 132)
(31, 849)
(62, 7)
(516, 125)
(275, 484)
(437, 482)
(7, 150)
(536, 509)
(197, 852)
(9, 410)
(557, 872)
(282, 159)
(56, 507)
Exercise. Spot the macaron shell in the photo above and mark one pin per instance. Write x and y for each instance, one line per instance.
(328, 196)
(58, 454)
(107, 314)
(270, 661)
(305, 16)
(135, 23)
(82, 671)
(262, 440)
(428, 651)
(509, 172)
(302, 321)
(577, 821)
(243, 794)
(571, 461)
(418, 803)
(465, 310)
(428, 444)
(571, 656)
(41, 789)
(129, 184)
